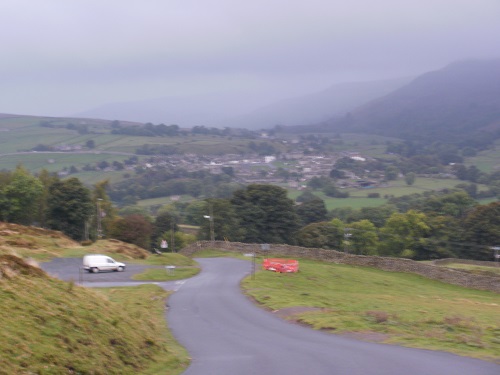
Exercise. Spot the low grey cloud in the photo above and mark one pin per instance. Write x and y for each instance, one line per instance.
(60, 57)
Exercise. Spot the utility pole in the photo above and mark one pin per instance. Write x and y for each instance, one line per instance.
(86, 229)
(211, 211)
(172, 235)
(99, 216)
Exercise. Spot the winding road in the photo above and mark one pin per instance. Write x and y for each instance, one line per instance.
(226, 334)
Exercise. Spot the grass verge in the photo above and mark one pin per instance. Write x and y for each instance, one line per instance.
(147, 302)
(161, 274)
(174, 259)
(54, 327)
(479, 270)
(398, 308)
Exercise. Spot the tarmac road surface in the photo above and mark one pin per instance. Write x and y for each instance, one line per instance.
(70, 269)
(226, 334)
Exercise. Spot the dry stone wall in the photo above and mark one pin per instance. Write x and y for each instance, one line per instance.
(447, 275)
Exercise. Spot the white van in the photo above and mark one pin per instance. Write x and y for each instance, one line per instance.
(96, 262)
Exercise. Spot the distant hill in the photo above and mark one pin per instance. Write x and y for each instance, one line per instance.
(459, 101)
(334, 101)
(248, 110)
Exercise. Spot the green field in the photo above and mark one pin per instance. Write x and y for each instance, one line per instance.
(22, 134)
(358, 198)
(147, 203)
(487, 161)
(395, 308)
(53, 162)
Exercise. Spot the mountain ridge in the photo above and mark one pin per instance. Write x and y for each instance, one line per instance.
(461, 99)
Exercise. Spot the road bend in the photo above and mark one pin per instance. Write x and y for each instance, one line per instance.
(226, 334)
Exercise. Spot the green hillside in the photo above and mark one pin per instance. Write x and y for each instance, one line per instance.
(459, 103)
(54, 327)
(51, 326)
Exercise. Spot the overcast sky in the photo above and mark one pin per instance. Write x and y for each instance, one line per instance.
(59, 57)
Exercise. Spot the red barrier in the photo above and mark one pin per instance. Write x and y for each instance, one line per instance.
(281, 265)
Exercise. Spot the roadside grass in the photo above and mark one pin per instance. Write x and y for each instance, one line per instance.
(185, 267)
(147, 302)
(54, 327)
(405, 309)
(161, 274)
(214, 253)
(480, 270)
(174, 259)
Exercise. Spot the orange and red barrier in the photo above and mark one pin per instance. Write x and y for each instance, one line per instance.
(281, 265)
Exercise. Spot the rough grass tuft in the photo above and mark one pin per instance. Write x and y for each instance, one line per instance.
(378, 316)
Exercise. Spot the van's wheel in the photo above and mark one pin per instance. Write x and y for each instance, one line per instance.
(120, 269)
(94, 269)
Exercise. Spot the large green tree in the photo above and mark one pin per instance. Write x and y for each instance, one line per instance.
(69, 207)
(455, 204)
(266, 214)
(135, 229)
(364, 238)
(404, 233)
(481, 231)
(19, 198)
(324, 235)
(312, 211)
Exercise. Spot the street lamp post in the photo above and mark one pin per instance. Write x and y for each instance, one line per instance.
(210, 218)
(347, 237)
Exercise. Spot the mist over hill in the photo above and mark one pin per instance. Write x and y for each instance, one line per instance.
(320, 106)
(250, 110)
(185, 111)
(459, 101)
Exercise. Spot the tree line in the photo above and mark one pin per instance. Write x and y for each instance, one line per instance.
(82, 213)
(419, 226)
